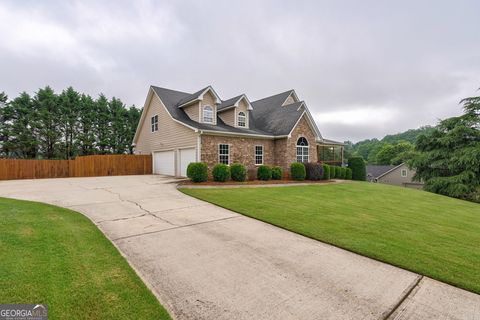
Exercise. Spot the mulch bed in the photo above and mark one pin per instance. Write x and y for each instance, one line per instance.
(252, 182)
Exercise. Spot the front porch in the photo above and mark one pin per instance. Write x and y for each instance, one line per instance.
(330, 152)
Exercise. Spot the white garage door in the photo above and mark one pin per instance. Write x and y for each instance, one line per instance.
(164, 162)
(186, 157)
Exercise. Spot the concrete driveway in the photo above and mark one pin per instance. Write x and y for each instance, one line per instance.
(205, 262)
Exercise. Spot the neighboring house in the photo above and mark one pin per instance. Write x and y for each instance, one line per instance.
(178, 128)
(399, 175)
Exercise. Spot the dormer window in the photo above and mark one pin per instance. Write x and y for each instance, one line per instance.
(242, 119)
(207, 114)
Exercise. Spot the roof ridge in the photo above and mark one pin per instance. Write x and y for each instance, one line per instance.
(274, 95)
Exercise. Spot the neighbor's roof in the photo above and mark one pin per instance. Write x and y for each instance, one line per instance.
(268, 117)
(378, 170)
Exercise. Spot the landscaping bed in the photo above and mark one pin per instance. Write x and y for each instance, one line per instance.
(252, 182)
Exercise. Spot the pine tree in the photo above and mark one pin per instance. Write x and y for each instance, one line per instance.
(133, 118)
(86, 134)
(102, 125)
(118, 126)
(69, 108)
(47, 126)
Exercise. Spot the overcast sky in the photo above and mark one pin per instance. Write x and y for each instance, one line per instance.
(364, 68)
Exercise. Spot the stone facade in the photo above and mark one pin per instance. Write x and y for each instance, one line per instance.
(278, 152)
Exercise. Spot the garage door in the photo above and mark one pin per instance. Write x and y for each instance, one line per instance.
(186, 157)
(164, 163)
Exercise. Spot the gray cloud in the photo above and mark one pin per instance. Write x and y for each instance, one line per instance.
(365, 68)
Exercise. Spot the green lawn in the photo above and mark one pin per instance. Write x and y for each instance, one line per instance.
(57, 257)
(427, 233)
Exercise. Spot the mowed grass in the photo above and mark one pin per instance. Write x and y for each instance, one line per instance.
(423, 232)
(57, 257)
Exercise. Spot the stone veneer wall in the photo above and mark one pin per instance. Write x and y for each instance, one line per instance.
(301, 130)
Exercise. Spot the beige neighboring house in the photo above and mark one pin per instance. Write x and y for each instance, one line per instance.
(399, 175)
(178, 128)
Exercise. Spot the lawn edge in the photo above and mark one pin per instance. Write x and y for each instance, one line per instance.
(331, 244)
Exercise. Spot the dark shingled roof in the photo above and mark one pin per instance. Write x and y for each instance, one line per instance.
(228, 103)
(268, 117)
(377, 170)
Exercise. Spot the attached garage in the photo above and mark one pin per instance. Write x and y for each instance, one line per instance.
(164, 162)
(186, 157)
(173, 162)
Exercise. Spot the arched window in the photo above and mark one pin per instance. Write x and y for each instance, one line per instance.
(302, 150)
(242, 119)
(208, 114)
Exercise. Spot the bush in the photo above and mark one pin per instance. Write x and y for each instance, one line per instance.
(277, 173)
(221, 172)
(333, 172)
(326, 172)
(314, 171)
(348, 174)
(297, 171)
(238, 172)
(357, 164)
(264, 173)
(343, 172)
(197, 171)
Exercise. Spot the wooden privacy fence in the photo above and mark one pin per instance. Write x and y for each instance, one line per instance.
(85, 166)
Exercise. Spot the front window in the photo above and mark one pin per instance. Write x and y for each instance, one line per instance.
(302, 150)
(258, 154)
(242, 119)
(208, 114)
(224, 153)
(404, 173)
(154, 123)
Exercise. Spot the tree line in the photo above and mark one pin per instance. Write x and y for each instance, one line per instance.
(48, 125)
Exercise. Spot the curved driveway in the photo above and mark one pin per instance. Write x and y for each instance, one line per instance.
(205, 262)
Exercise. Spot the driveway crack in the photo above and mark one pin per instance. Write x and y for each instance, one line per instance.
(404, 297)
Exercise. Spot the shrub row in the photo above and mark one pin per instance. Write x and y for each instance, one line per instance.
(198, 172)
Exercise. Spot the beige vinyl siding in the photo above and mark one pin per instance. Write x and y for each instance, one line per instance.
(228, 116)
(394, 177)
(290, 100)
(193, 111)
(170, 134)
(208, 100)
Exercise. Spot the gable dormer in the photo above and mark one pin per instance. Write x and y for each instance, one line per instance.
(201, 106)
(235, 112)
(292, 98)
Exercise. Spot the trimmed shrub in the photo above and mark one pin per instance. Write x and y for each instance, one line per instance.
(343, 172)
(297, 171)
(197, 171)
(264, 173)
(238, 172)
(348, 174)
(357, 164)
(326, 172)
(221, 172)
(277, 173)
(333, 172)
(314, 171)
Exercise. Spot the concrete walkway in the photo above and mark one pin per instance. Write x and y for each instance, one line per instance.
(205, 262)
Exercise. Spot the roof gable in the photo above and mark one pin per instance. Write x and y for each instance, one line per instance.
(198, 96)
(234, 102)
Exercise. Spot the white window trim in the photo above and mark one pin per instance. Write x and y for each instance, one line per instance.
(244, 117)
(152, 124)
(307, 147)
(406, 173)
(255, 154)
(229, 152)
(203, 114)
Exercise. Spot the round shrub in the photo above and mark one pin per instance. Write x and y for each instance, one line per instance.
(277, 173)
(326, 172)
(297, 171)
(357, 164)
(197, 171)
(348, 174)
(314, 171)
(333, 172)
(238, 172)
(264, 173)
(221, 172)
